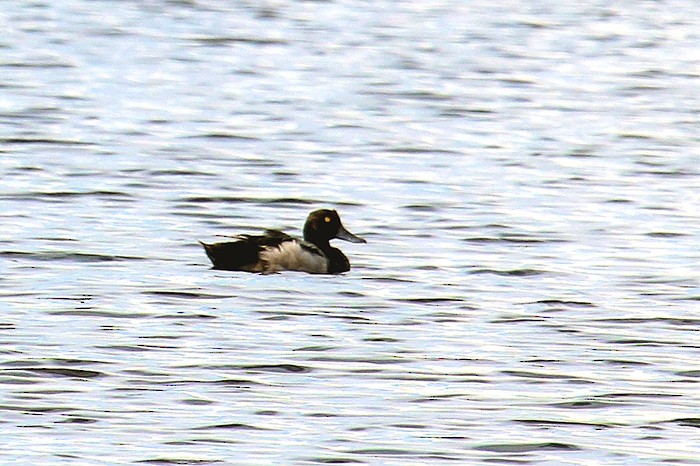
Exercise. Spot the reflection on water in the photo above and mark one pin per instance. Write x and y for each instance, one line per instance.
(526, 178)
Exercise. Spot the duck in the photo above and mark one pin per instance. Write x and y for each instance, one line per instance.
(275, 251)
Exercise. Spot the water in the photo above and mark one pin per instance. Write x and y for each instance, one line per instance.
(527, 177)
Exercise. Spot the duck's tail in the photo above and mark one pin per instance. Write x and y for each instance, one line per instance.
(236, 255)
(207, 249)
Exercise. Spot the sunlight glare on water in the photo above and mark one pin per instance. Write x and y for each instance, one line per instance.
(526, 177)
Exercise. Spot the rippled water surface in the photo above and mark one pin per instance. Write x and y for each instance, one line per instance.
(526, 176)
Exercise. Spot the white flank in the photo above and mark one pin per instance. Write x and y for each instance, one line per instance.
(291, 256)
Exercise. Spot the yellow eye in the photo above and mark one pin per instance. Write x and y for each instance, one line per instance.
(327, 220)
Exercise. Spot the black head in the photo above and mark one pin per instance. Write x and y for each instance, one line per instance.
(323, 225)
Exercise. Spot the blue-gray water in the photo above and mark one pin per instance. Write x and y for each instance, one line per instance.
(527, 177)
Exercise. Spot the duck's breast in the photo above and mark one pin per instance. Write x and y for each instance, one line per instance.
(294, 255)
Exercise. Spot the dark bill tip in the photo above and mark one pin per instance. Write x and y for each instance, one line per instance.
(347, 236)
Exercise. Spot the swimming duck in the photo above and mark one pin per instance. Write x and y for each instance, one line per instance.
(275, 251)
